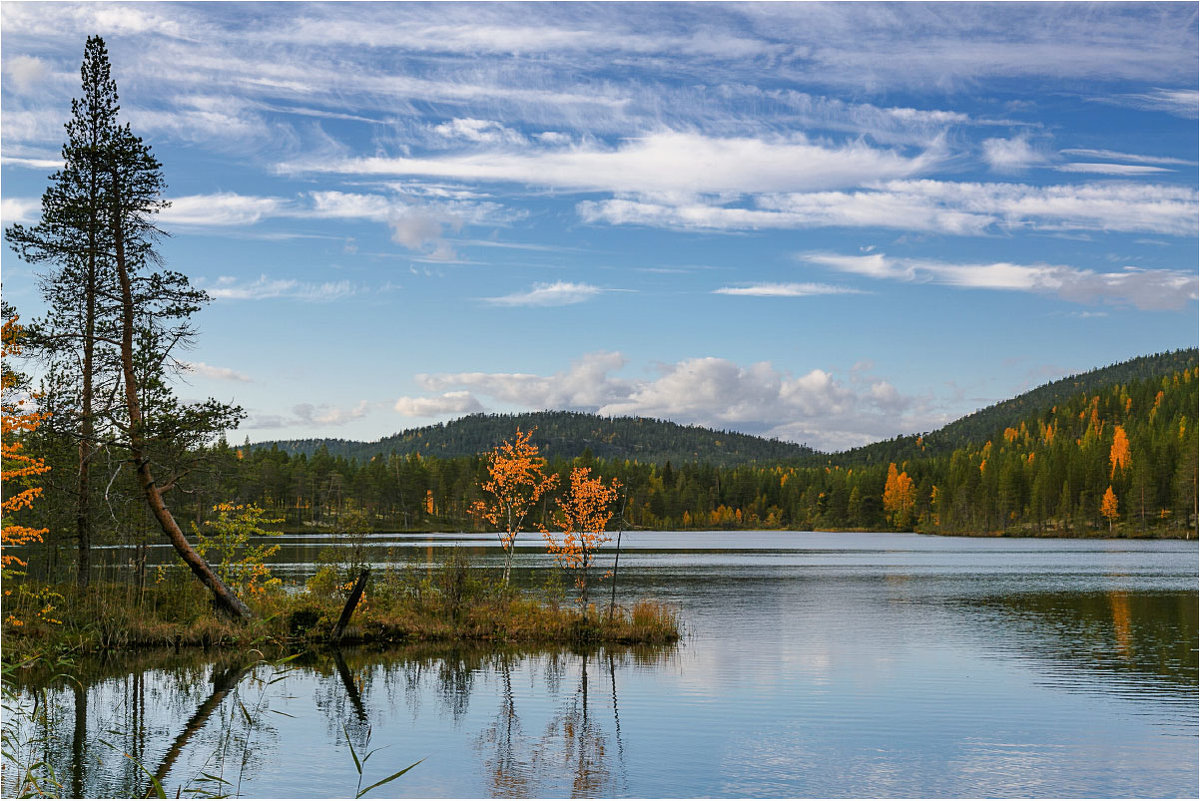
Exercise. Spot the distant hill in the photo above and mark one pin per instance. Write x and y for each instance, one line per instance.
(978, 427)
(566, 435)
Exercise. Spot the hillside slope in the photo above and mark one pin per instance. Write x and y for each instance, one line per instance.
(566, 435)
(977, 427)
(650, 441)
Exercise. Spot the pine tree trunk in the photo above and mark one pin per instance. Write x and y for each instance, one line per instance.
(83, 507)
(223, 597)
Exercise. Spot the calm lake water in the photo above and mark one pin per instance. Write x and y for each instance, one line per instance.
(824, 665)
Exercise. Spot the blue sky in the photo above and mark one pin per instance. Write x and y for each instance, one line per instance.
(826, 223)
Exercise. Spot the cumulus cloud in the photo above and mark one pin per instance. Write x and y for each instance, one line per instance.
(586, 384)
(559, 293)
(422, 231)
(1132, 286)
(1011, 155)
(816, 407)
(328, 414)
(449, 403)
(218, 373)
(25, 73)
(306, 415)
(20, 209)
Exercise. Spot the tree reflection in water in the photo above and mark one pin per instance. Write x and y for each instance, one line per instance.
(579, 744)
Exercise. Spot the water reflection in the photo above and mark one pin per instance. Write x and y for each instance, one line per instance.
(1148, 637)
(932, 668)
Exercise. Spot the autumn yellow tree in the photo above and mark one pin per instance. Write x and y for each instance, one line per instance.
(516, 483)
(899, 497)
(17, 467)
(1108, 506)
(581, 516)
(1118, 455)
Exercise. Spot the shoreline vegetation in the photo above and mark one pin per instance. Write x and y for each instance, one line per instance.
(452, 603)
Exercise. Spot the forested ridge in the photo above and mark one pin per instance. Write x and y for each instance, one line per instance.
(566, 435)
(1114, 460)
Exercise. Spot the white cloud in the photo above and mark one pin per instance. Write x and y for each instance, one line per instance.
(449, 403)
(816, 407)
(1114, 155)
(328, 414)
(1179, 102)
(306, 415)
(218, 373)
(1102, 168)
(1143, 289)
(946, 207)
(221, 209)
(1011, 155)
(421, 230)
(25, 73)
(559, 293)
(20, 209)
(792, 290)
(585, 385)
(479, 131)
(264, 288)
(31, 163)
(671, 163)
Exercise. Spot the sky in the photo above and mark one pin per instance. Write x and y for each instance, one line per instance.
(826, 223)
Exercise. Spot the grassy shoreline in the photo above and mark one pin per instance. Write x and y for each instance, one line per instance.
(447, 605)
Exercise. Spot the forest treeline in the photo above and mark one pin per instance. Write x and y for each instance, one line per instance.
(1121, 460)
(566, 435)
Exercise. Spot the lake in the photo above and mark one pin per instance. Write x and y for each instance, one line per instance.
(814, 664)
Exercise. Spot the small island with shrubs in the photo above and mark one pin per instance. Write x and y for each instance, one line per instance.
(443, 600)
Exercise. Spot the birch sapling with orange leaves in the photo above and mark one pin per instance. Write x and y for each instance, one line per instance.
(516, 483)
(581, 516)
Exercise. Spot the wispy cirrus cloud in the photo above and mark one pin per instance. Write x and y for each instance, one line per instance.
(1132, 286)
(658, 163)
(1179, 102)
(947, 207)
(1106, 168)
(785, 290)
(1115, 155)
(558, 293)
(218, 373)
(264, 288)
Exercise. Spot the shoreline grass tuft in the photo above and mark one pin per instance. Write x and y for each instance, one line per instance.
(448, 603)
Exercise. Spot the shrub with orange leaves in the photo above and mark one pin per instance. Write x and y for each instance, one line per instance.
(517, 482)
(582, 516)
(17, 468)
